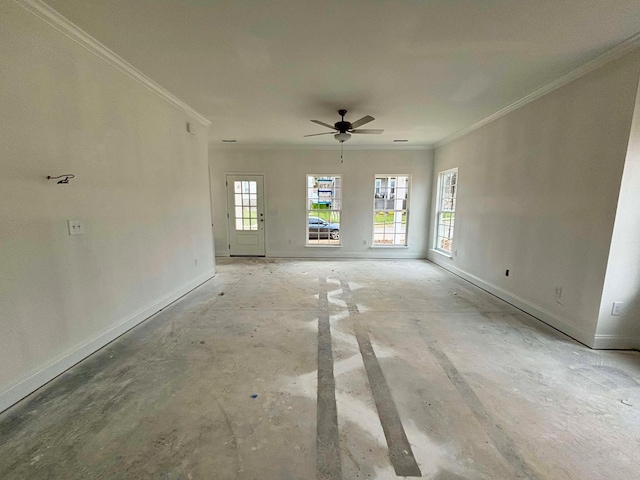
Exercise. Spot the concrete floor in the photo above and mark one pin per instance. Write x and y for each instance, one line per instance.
(429, 376)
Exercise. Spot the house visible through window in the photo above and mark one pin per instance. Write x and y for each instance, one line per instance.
(446, 210)
(324, 204)
(390, 210)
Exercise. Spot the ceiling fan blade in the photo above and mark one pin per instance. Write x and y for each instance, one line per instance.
(365, 130)
(362, 121)
(324, 124)
(316, 134)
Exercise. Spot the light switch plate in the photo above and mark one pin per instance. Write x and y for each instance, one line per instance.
(76, 227)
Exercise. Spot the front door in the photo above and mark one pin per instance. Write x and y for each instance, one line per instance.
(245, 204)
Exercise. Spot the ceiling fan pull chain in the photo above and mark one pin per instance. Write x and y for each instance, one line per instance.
(341, 151)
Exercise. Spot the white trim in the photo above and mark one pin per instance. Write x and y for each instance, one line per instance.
(449, 170)
(524, 305)
(441, 252)
(368, 255)
(82, 38)
(231, 209)
(434, 238)
(27, 384)
(218, 145)
(609, 56)
(615, 342)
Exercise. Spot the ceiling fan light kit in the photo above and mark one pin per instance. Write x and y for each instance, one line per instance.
(342, 136)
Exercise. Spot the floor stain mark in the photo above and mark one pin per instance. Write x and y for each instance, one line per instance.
(400, 452)
(498, 436)
(328, 462)
(233, 442)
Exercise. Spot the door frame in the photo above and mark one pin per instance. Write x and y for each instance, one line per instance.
(228, 211)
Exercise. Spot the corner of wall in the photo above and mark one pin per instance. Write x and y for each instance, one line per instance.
(621, 287)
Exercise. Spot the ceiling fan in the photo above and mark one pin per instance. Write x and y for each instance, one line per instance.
(344, 129)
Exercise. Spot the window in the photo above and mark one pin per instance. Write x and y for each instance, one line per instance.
(246, 205)
(446, 212)
(390, 210)
(324, 203)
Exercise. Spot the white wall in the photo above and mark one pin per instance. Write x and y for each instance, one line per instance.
(285, 173)
(141, 188)
(537, 194)
(622, 281)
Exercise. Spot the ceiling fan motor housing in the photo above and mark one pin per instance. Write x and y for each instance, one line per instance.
(343, 126)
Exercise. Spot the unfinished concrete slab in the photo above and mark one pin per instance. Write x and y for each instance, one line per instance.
(303, 369)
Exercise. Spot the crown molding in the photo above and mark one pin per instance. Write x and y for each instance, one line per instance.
(241, 146)
(47, 14)
(609, 56)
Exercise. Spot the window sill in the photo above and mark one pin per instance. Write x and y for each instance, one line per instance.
(323, 246)
(388, 246)
(440, 252)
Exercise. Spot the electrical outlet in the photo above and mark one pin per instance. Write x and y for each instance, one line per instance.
(195, 262)
(364, 242)
(76, 227)
(617, 309)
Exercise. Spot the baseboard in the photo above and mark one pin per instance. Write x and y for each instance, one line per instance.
(615, 342)
(333, 252)
(29, 383)
(518, 302)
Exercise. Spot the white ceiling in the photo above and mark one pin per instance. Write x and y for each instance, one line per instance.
(425, 69)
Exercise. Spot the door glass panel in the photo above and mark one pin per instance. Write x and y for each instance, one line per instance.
(246, 210)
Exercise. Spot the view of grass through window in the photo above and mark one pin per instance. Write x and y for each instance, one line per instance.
(390, 210)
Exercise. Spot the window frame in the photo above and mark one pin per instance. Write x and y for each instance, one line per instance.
(388, 196)
(314, 213)
(439, 211)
